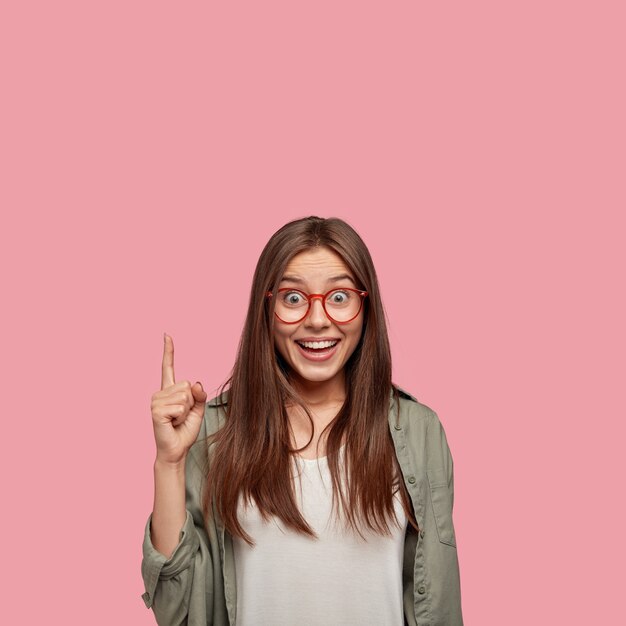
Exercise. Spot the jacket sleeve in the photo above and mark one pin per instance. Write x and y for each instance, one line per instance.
(446, 602)
(179, 589)
(439, 454)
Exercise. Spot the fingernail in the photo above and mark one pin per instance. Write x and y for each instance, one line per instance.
(199, 383)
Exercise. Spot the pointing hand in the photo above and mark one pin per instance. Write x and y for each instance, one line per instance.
(177, 411)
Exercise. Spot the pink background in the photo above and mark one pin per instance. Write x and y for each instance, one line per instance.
(149, 150)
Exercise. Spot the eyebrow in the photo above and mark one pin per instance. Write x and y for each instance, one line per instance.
(333, 279)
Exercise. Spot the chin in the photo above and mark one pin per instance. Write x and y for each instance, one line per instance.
(313, 376)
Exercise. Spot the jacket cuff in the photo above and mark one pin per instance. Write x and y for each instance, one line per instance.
(155, 566)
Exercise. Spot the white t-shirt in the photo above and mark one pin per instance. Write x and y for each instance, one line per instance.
(289, 579)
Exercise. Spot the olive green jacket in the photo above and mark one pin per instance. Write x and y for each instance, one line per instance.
(196, 585)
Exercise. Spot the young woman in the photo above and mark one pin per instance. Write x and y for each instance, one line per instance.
(312, 490)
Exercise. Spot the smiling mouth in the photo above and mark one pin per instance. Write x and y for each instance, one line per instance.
(318, 346)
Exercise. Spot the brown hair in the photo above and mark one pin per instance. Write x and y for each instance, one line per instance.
(253, 455)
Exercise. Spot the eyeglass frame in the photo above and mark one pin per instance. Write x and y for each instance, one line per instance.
(310, 296)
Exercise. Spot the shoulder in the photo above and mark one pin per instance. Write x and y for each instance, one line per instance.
(423, 431)
(411, 409)
(215, 413)
(214, 418)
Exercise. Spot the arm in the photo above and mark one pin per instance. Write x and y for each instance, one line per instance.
(169, 510)
(179, 580)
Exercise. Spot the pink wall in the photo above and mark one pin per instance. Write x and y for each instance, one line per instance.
(149, 150)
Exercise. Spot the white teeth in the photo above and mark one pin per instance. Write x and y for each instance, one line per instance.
(318, 344)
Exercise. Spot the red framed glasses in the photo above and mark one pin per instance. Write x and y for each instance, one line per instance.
(341, 305)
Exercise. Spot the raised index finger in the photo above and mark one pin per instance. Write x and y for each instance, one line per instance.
(167, 371)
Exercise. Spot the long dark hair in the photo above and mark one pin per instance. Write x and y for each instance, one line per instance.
(252, 452)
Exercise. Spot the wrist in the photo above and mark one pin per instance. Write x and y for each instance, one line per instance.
(162, 465)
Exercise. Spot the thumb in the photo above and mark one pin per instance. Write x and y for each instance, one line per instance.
(198, 393)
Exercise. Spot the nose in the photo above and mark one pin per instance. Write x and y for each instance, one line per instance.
(317, 317)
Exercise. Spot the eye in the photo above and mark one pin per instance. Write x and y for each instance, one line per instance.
(292, 298)
(339, 297)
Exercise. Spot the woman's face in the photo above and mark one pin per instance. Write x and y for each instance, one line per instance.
(317, 270)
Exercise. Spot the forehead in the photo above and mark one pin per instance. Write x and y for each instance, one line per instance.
(317, 264)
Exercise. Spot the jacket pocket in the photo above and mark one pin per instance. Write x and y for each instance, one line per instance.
(442, 505)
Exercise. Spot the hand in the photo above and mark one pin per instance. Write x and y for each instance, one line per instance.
(177, 411)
